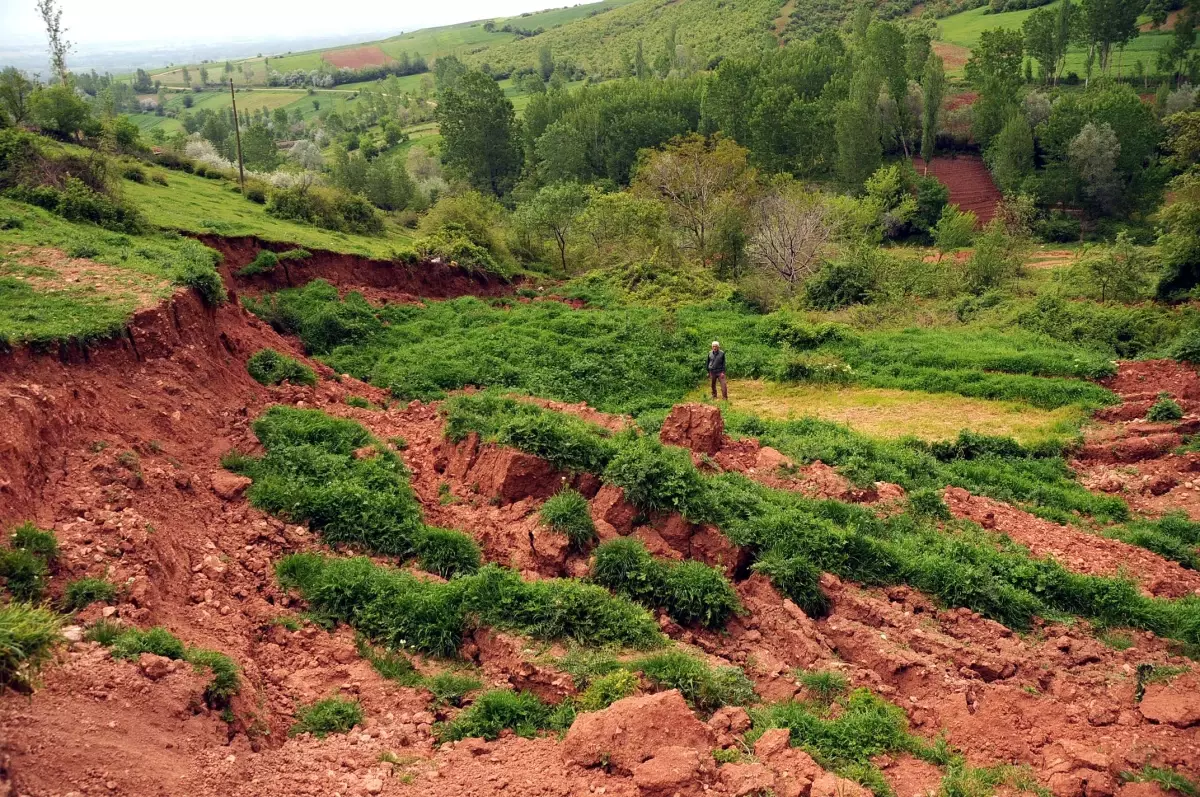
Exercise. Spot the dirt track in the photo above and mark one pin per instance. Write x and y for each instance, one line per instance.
(198, 559)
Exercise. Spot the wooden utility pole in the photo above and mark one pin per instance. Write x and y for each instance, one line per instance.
(237, 129)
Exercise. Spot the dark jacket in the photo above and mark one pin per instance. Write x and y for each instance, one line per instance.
(716, 361)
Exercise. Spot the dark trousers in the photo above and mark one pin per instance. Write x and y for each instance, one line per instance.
(719, 376)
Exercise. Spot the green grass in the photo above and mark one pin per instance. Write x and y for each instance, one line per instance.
(130, 643)
(568, 513)
(497, 710)
(199, 205)
(27, 638)
(397, 610)
(49, 297)
(315, 471)
(269, 367)
(332, 715)
(85, 591)
(705, 687)
(1170, 780)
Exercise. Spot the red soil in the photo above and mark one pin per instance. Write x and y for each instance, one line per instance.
(176, 529)
(969, 181)
(357, 57)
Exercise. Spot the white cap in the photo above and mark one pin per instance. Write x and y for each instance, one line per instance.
(716, 343)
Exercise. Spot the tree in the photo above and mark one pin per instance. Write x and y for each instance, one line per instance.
(1119, 272)
(258, 149)
(15, 93)
(641, 69)
(307, 154)
(1043, 41)
(545, 62)
(142, 83)
(1107, 24)
(554, 210)
(56, 39)
(792, 231)
(1183, 139)
(954, 230)
(699, 180)
(996, 261)
(58, 111)
(447, 71)
(995, 67)
(857, 130)
(886, 48)
(480, 138)
(1174, 56)
(1094, 155)
(1179, 241)
(187, 77)
(933, 87)
(1011, 154)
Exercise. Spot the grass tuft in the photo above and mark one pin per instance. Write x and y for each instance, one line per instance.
(332, 715)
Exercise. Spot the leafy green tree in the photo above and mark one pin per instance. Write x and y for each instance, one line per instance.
(700, 180)
(545, 62)
(447, 71)
(955, 229)
(933, 88)
(857, 130)
(1107, 24)
(388, 184)
(995, 67)
(641, 69)
(886, 48)
(1174, 56)
(553, 211)
(15, 94)
(1179, 240)
(1120, 272)
(58, 111)
(1094, 155)
(142, 83)
(1183, 139)
(1011, 153)
(187, 77)
(1043, 43)
(203, 76)
(480, 133)
(258, 149)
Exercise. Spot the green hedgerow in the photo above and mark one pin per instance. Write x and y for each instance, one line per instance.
(450, 688)
(497, 710)
(86, 591)
(705, 687)
(447, 552)
(27, 636)
(38, 542)
(1165, 409)
(332, 715)
(269, 367)
(568, 513)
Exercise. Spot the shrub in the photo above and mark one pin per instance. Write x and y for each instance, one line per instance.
(86, 591)
(448, 553)
(928, 503)
(1165, 409)
(27, 636)
(331, 715)
(263, 263)
(494, 711)
(703, 686)
(269, 367)
(568, 513)
(134, 174)
(160, 179)
(451, 687)
(329, 208)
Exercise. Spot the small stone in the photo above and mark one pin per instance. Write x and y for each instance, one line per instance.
(373, 785)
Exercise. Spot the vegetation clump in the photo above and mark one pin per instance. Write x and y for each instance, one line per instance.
(568, 513)
(25, 563)
(691, 592)
(130, 643)
(27, 637)
(269, 367)
(1165, 409)
(84, 592)
(331, 715)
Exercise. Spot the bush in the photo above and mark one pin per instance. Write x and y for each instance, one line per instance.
(132, 643)
(705, 687)
(134, 173)
(269, 367)
(495, 711)
(657, 477)
(447, 553)
(1165, 409)
(359, 402)
(84, 592)
(27, 637)
(329, 208)
(160, 179)
(928, 503)
(568, 513)
(332, 715)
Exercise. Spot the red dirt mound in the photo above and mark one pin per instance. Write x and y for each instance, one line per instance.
(357, 57)
(969, 182)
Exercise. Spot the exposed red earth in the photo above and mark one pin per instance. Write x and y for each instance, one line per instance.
(969, 182)
(175, 528)
(357, 57)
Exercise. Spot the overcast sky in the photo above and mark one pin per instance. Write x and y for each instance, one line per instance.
(97, 23)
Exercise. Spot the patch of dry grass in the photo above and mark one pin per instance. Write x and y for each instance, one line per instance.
(883, 413)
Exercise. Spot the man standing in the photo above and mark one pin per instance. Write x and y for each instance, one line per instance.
(716, 370)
